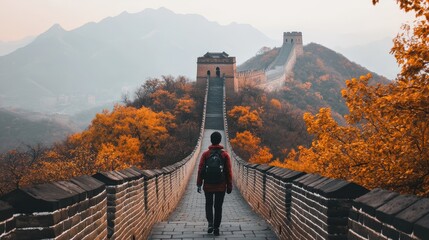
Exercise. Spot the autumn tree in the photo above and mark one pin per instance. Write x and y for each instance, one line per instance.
(16, 165)
(245, 118)
(385, 142)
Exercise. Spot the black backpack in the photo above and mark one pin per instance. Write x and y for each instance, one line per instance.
(214, 166)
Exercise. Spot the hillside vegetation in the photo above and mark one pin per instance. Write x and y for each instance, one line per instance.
(374, 134)
(158, 126)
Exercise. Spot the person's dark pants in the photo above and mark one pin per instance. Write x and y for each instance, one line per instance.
(218, 202)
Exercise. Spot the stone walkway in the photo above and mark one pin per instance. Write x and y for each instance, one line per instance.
(188, 220)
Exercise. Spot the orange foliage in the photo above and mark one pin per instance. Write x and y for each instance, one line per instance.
(114, 140)
(276, 104)
(386, 140)
(262, 156)
(246, 118)
(247, 146)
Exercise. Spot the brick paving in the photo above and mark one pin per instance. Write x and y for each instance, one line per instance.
(188, 220)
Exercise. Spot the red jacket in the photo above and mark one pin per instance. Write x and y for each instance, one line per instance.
(219, 187)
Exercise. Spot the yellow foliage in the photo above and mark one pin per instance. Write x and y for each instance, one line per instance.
(262, 156)
(386, 140)
(185, 105)
(246, 118)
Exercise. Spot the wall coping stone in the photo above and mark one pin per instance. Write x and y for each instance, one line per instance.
(121, 175)
(6, 211)
(292, 175)
(92, 186)
(421, 227)
(158, 172)
(373, 200)
(168, 169)
(284, 174)
(386, 212)
(71, 187)
(253, 165)
(109, 178)
(131, 174)
(315, 186)
(404, 220)
(340, 189)
(264, 167)
(46, 197)
(148, 174)
(305, 180)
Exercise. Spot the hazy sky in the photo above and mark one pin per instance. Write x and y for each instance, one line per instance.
(335, 23)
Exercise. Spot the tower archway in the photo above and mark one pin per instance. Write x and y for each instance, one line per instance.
(217, 72)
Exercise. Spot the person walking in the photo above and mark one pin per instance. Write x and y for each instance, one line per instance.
(215, 171)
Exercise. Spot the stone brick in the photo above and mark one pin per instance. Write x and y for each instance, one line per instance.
(6, 211)
(373, 200)
(372, 223)
(405, 220)
(109, 178)
(389, 232)
(10, 225)
(31, 234)
(40, 198)
(307, 179)
(340, 189)
(78, 192)
(386, 212)
(26, 221)
(92, 186)
(421, 227)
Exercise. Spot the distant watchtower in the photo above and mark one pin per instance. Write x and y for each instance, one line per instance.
(294, 38)
(218, 65)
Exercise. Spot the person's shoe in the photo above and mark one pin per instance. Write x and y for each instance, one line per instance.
(216, 232)
(210, 229)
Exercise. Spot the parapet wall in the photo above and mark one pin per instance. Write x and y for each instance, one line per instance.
(109, 205)
(121, 204)
(253, 78)
(308, 206)
(298, 205)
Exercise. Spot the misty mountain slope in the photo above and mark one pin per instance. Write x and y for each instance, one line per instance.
(375, 54)
(10, 46)
(319, 76)
(18, 128)
(100, 59)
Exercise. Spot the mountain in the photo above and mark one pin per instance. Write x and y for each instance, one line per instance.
(10, 46)
(18, 127)
(318, 77)
(68, 71)
(374, 55)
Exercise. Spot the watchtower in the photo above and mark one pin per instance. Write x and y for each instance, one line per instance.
(294, 38)
(218, 65)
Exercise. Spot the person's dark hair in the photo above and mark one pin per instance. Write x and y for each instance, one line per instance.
(215, 138)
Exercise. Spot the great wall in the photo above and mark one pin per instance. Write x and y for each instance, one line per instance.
(127, 204)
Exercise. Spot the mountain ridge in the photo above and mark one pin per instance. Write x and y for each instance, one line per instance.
(100, 60)
(318, 77)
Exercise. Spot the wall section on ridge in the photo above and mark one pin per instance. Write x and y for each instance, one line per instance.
(298, 205)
